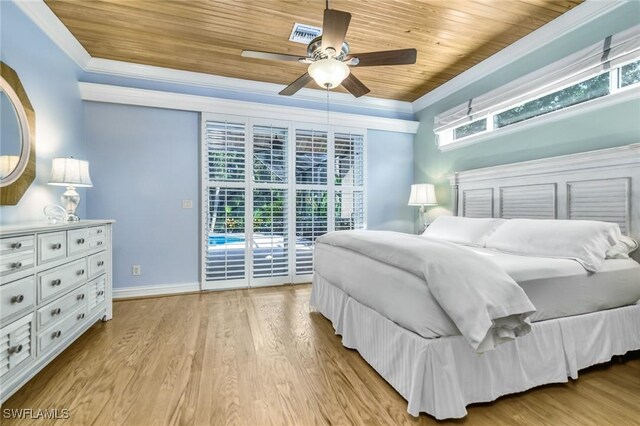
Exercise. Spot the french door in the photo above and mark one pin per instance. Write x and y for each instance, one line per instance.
(270, 188)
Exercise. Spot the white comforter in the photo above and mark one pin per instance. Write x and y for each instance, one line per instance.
(485, 303)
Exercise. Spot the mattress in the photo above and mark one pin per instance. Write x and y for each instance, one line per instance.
(556, 287)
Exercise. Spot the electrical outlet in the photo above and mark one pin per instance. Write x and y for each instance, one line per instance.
(135, 270)
(187, 204)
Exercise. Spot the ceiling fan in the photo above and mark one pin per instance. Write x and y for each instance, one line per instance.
(329, 59)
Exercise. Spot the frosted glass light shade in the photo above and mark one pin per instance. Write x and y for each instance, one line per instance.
(423, 194)
(70, 172)
(328, 73)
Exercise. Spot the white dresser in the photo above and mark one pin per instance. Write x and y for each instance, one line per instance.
(55, 283)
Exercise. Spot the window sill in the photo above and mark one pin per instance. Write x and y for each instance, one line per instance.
(624, 95)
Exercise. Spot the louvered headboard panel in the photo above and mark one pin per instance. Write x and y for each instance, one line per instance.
(602, 199)
(598, 185)
(530, 201)
(477, 202)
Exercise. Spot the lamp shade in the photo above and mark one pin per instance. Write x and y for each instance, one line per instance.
(423, 194)
(328, 73)
(70, 172)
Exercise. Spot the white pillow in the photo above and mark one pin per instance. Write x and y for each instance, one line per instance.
(462, 230)
(583, 240)
(622, 249)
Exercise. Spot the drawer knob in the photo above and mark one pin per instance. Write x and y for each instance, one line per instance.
(81, 241)
(56, 246)
(99, 243)
(80, 297)
(56, 334)
(56, 282)
(17, 299)
(16, 265)
(99, 231)
(15, 349)
(80, 272)
(101, 292)
(80, 316)
(16, 246)
(101, 263)
(56, 311)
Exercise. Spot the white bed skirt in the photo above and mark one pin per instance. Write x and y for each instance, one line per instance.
(442, 376)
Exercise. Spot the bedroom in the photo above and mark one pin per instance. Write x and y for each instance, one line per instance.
(505, 111)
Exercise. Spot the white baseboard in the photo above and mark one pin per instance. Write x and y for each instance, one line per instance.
(154, 290)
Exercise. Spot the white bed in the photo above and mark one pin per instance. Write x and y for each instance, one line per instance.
(581, 318)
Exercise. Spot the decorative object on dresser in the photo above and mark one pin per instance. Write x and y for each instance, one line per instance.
(17, 144)
(423, 194)
(55, 283)
(71, 173)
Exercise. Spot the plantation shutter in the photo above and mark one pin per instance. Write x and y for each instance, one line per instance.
(349, 181)
(312, 194)
(270, 248)
(225, 200)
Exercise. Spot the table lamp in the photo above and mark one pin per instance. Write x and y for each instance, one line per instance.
(422, 194)
(72, 173)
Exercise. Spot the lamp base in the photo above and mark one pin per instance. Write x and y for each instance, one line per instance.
(70, 200)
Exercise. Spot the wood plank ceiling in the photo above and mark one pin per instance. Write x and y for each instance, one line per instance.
(207, 36)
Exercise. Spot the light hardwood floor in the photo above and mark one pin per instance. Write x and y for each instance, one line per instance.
(255, 357)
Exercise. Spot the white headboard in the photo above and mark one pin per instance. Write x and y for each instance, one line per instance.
(597, 185)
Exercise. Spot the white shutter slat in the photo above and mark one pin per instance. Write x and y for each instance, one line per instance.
(311, 222)
(604, 200)
(477, 202)
(270, 243)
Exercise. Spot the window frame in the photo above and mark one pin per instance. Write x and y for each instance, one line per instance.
(445, 140)
(291, 186)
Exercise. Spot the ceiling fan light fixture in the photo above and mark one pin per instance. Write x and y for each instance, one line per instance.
(328, 73)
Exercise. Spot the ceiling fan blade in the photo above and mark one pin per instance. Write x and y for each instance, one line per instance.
(355, 86)
(334, 28)
(302, 81)
(388, 57)
(272, 56)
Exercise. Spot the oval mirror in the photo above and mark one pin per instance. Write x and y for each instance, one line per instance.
(17, 141)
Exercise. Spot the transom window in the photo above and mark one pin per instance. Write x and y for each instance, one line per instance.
(604, 69)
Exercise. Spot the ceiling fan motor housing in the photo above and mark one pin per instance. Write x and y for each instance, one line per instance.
(315, 50)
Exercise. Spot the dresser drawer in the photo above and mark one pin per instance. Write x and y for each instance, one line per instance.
(78, 241)
(97, 231)
(16, 345)
(96, 292)
(97, 264)
(55, 311)
(60, 279)
(52, 246)
(55, 335)
(16, 255)
(16, 297)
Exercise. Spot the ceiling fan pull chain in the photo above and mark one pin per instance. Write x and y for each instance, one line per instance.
(327, 102)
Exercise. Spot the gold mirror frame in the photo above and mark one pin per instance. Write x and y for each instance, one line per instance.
(13, 186)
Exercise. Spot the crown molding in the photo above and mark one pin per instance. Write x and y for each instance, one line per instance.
(179, 101)
(569, 21)
(168, 75)
(49, 23)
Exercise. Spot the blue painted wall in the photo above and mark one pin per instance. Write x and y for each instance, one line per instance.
(50, 78)
(610, 126)
(389, 179)
(146, 160)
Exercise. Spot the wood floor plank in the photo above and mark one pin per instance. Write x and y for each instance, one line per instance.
(261, 357)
